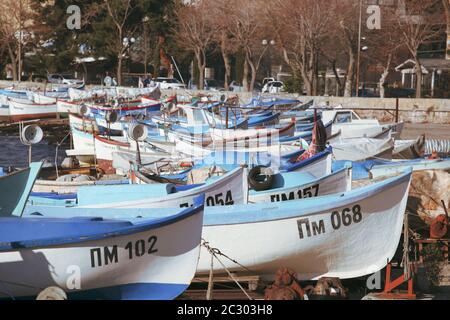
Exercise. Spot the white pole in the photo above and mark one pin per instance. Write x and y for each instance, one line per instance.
(359, 49)
(178, 70)
(433, 75)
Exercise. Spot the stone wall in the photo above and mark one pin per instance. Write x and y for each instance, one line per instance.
(410, 110)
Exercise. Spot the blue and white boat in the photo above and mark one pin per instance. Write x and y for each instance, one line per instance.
(15, 188)
(94, 258)
(232, 188)
(346, 235)
(394, 167)
(301, 185)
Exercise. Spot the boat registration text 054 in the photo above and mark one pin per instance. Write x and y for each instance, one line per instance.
(219, 199)
(338, 219)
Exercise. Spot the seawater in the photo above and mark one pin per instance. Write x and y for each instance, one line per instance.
(14, 153)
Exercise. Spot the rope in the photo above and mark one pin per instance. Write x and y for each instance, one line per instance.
(214, 252)
(218, 252)
(59, 144)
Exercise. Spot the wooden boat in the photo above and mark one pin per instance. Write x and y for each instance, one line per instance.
(409, 149)
(100, 149)
(318, 165)
(360, 149)
(69, 187)
(15, 188)
(93, 258)
(252, 146)
(85, 124)
(66, 107)
(22, 109)
(4, 108)
(127, 107)
(232, 188)
(395, 167)
(352, 126)
(229, 135)
(300, 185)
(347, 235)
(105, 148)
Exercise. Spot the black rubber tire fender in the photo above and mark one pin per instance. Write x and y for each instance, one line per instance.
(256, 183)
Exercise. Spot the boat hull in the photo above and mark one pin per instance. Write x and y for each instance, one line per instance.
(352, 237)
(334, 183)
(142, 265)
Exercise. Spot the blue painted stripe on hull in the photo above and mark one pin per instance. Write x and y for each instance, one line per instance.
(135, 291)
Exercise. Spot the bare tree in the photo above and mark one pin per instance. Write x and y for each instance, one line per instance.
(195, 33)
(418, 25)
(223, 37)
(384, 46)
(119, 11)
(14, 31)
(302, 28)
(446, 4)
(248, 27)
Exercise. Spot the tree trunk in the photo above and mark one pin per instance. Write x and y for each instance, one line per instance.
(384, 76)
(201, 65)
(119, 70)
(350, 74)
(227, 72)
(226, 61)
(336, 75)
(308, 84)
(254, 71)
(245, 83)
(12, 57)
(447, 17)
(419, 76)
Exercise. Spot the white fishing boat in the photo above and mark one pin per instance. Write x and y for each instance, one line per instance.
(301, 185)
(66, 107)
(318, 165)
(352, 126)
(4, 108)
(197, 151)
(105, 148)
(360, 149)
(347, 235)
(397, 166)
(409, 149)
(232, 188)
(93, 258)
(41, 98)
(15, 188)
(22, 109)
(85, 124)
(70, 185)
(269, 134)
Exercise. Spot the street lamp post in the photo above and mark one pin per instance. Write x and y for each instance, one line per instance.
(20, 41)
(359, 47)
(127, 43)
(145, 20)
(267, 44)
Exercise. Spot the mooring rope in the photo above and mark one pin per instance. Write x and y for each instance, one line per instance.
(214, 252)
(218, 252)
